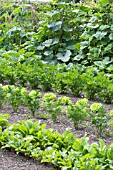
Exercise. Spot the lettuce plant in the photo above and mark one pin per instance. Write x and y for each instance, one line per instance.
(62, 150)
(78, 112)
(64, 101)
(32, 101)
(98, 117)
(14, 97)
(49, 104)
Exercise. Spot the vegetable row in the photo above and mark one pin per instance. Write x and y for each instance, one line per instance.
(49, 105)
(78, 81)
(62, 150)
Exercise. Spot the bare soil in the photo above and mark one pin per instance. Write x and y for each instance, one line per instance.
(11, 161)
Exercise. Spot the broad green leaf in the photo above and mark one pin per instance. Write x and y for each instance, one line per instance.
(47, 53)
(111, 27)
(14, 29)
(78, 57)
(84, 45)
(65, 28)
(55, 26)
(103, 2)
(111, 36)
(99, 35)
(62, 4)
(40, 47)
(84, 8)
(64, 56)
(55, 41)
(93, 18)
(48, 43)
(91, 25)
(16, 11)
(108, 48)
(51, 14)
(104, 27)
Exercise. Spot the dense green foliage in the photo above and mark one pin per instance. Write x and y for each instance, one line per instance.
(31, 36)
(63, 151)
(67, 48)
(59, 32)
(88, 82)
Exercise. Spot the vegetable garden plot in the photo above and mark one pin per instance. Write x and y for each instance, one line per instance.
(76, 41)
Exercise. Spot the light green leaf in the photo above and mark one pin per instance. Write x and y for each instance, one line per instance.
(65, 28)
(99, 35)
(40, 47)
(78, 57)
(47, 53)
(64, 56)
(84, 44)
(111, 36)
(104, 27)
(55, 26)
(47, 43)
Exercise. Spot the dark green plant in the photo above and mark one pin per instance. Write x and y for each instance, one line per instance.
(96, 40)
(106, 95)
(74, 82)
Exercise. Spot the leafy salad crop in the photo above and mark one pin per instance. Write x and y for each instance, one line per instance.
(62, 150)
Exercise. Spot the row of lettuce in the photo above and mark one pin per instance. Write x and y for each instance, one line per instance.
(29, 71)
(50, 106)
(60, 31)
(62, 150)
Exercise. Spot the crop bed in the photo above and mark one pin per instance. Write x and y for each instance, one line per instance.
(56, 74)
(9, 160)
